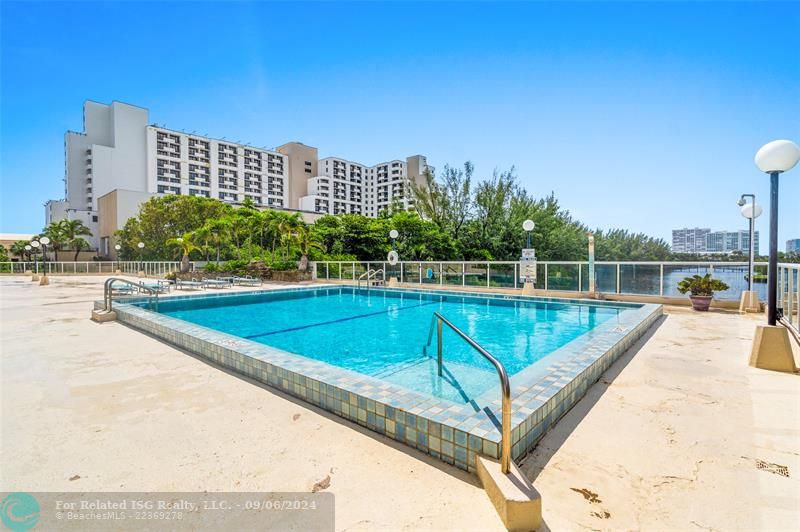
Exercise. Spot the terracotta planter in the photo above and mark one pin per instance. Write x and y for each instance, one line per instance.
(701, 303)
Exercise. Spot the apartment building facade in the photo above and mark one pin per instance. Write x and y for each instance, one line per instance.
(688, 240)
(730, 241)
(120, 160)
(344, 187)
(793, 246)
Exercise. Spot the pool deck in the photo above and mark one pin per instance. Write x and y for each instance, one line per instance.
(670, 438)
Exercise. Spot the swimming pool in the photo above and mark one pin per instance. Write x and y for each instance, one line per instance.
(362, 355)
(384, 334)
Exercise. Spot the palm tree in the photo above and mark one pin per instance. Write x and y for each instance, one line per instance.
(71, 233)
(55, 233)
(305, 243)
(18, 249)
(187, 245)
(213, 232)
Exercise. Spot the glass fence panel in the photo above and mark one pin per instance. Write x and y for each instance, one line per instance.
(640, 279)
(605, 278)
(735, 276)
(391, 271)
(562, 277)
(430, 273)
(502, 275)
(475, 274)
(451, 273)
(411, 272)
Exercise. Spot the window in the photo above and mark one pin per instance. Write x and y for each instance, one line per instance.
(94, 218)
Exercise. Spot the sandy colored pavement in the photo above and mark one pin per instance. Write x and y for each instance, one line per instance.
(671, 436)
(669, 439)
(126, 412)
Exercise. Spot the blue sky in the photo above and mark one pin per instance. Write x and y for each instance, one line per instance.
(644, 116)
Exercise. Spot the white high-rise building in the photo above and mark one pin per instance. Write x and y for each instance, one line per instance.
(120, 160)
(348, 187)
(688, 240)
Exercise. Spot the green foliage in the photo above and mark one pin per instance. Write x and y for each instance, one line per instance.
(211, 267)
(699, 285)
(456, 218)
(234, 265)
(283, 265)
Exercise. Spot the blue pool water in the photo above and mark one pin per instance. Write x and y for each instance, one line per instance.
(383, 333)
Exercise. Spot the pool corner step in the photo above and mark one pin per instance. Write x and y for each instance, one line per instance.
(513, 496)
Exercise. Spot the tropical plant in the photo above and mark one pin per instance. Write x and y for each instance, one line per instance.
(704, 285)
(18, 249)
(186, 244)
(71, 233)
(305, 244)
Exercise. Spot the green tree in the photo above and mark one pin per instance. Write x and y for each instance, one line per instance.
(18, 249)
(187, 245)
(306, 243)
(72, 233)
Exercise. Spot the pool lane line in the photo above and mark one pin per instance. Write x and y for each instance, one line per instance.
(301, 327)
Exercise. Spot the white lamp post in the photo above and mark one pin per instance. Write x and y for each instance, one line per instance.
(35, 245)
(140, 245)
(528, 261)
(44, 280)
(393, 257)
(771, 348)
(751, 211)
(775, 158)
(591, 266)
(117, 247)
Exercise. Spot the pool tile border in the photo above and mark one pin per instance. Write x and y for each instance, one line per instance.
(454, 433)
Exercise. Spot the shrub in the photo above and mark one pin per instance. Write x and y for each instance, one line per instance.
(211, 267)
(701, 285)
(283, 265)
(234, 265)
(171, 276)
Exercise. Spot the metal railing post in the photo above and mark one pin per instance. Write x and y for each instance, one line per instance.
(545, 276)
(488, 274)
(618, 284)
(439, 346)
(661, 281)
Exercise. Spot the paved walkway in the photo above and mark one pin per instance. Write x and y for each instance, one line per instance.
(680, 434)
(671, 439)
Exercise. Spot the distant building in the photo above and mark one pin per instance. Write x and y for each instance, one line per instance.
(793, 246)
(730, 241)
(689, 240)
(120, 160)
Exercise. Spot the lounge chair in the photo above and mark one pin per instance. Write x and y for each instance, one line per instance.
(247, 281)
(189, 285)
(216, 283)
(160, 286)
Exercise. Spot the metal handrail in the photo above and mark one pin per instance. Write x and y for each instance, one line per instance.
(793, 332)
(505, 384)
(370, 274)
(107, 292)
(365, 274)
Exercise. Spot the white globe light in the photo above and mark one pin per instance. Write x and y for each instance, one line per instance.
(44, 240)
(528, 225)
(140, 245)
(35, 243)
(28, 247)
(751, 210)
(118, 247)
(393, 233)
(392, 257)
(777, 156)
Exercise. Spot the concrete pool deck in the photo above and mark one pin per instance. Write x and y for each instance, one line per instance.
(670, 438)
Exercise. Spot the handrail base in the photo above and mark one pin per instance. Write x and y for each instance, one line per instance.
(102, 316)
(772, 350)
(517, 502)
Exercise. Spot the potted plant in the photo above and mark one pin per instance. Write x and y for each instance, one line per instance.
(701, 290)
